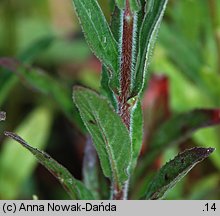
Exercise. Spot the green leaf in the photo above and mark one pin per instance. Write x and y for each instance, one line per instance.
(212, 135)
(110, 136)
(28, 55)
(106, 76)
(171, 173)
(147, 38)
(136, 132)
(2, 116)
(16, 166)
(116, 23)
(178, 128)
(120, 3)
(74, 188)
(105, 89)
(37, 79)
(98, 33)
(189, 60)
(35, 49)
(135, 5)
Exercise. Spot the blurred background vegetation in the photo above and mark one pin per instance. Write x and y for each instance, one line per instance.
(46, 36)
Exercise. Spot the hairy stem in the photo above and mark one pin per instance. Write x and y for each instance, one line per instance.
(128, 23)
(126, 64)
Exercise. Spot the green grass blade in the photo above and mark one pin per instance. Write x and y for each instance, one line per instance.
(74, 188)
(109, 134)
(15, 165)
(171, 173)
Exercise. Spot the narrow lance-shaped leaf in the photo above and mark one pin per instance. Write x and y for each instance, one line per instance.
(109, 134)
(171, 173)
(28, 55)
(36, 49)
(2, 116)
(105, 90)
(147, 38)
(37, 79)
(106, 76)
(97, 32)
(136, 133)
(178, 128)
(74, 188)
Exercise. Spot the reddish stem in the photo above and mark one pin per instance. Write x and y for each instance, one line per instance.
(125, 82)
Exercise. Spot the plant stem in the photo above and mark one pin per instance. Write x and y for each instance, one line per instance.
(119, 194)
(125, 82)
(126, 64)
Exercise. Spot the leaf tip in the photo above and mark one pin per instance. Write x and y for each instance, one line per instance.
(76, 90)
(209, 151)
(204, 152)
(15, 137)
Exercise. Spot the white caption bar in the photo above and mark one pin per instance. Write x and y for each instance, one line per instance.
(110, 208)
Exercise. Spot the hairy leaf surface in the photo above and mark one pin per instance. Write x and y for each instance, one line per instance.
(171, 173)
(147, 38)
(109, 134)
(74, 188)
(97, 32)
(136, 132)
(180, 127)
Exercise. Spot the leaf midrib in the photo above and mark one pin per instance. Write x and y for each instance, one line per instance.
(109, 150)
